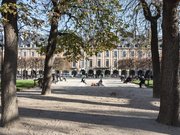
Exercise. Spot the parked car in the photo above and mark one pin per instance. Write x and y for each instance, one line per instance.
(66, 75)
(78, 76)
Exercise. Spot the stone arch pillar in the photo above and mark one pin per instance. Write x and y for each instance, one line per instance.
(94, 73)
(111, 72)
(127, 72)
(119, 72)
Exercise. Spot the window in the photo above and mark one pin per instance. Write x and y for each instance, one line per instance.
(128, 45)
(81, 64)
(74, 64)
(99, 54)
(124, 54)
(90, 63)
(33, 45)
(122, 39)
(115, 53)
(107, 63)
(24, 54)
(132, 54)
(115, 63)
(20, 54)
(99, 63)
(107, 53)
(139, 54)
(32, 54)
(136, 45)
(28, 45)
(119, 46)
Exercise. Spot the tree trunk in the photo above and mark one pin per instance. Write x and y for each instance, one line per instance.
(49, 60)
(47, 80)
(155, 59)
(154, 45)
(169, 99)
(8, 96)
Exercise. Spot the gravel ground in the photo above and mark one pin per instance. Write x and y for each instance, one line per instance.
(75, 108)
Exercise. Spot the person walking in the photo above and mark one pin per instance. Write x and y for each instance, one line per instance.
(83, 80)
(142, 81)
(100, 83)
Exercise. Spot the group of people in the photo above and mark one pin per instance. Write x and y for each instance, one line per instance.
(128, 79)
(99, 83)
(141, 79)
(57, 77)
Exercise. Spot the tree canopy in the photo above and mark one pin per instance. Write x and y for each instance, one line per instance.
(95, 23)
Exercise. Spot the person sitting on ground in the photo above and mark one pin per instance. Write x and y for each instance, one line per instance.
(122, 77)
(100, 83)
(93, 84)
(128, 79)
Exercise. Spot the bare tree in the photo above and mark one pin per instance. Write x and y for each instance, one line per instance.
(61, 64)
(143, 13)
(126, 64)
(21, 62)
(154, 42)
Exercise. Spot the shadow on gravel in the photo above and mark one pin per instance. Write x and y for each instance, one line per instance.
(115, 121)
(103, 91)
(140, 99)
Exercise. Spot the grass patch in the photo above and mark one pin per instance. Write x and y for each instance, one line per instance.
(24, 84)
(150, 85)
(20, 84)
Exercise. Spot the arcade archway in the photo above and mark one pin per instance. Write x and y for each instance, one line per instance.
(132, 72)
(115, 73)
(98, 73)
(124, 72)
(107, 73)
(74, 73)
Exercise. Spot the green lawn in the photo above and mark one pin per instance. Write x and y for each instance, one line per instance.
(24, 84)
(150, 85)
(20, 84)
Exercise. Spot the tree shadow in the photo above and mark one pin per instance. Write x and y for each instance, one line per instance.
(134, 120)
(137, 99)
(36, 126)
(142, 123)
(102, 91)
